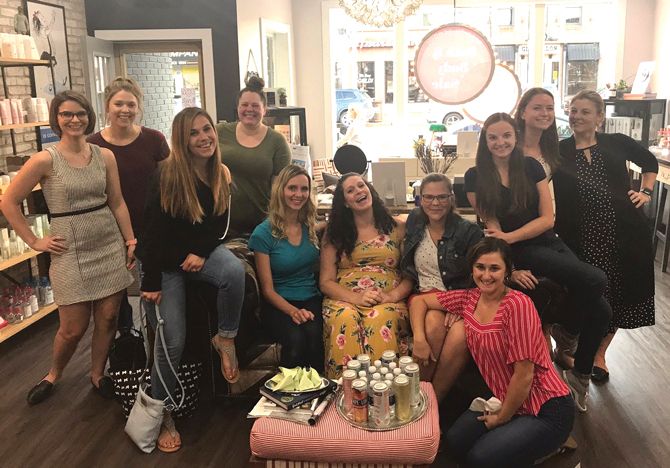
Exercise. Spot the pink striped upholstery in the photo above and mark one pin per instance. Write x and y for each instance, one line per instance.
(334, 440)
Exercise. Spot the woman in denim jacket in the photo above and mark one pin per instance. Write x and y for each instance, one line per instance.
(437, 240)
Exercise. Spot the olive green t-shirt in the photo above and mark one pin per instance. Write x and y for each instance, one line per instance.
(252, 170)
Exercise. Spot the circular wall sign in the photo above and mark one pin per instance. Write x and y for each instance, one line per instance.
(501, 95)
(454, 63)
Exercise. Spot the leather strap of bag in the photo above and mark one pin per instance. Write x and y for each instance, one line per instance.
(159, 329)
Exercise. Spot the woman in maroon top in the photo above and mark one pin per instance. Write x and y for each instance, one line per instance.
(504, 335)
(137, 150)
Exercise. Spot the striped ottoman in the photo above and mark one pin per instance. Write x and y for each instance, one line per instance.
(333, 440)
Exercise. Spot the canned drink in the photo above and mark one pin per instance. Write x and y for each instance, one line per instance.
(383, 370)
(378, 363)
(364, 359)
(370, 395)
(388, 378)
(397, 371)
(412, 372)
(403, 361)
(392, 365)
(376, 376)
(403, 409)
(348, 377)
(359, 405)
(362, 374)
(388, 357)
(381, 410)
(354, 364)
(372, 370)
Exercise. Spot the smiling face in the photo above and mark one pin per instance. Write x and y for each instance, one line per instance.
(539, 113)
(296, 192)
(357, 195)
(500, 139)
(72, 119)
(584, 117)
(250, 109)
(122, 109)
(202, 139)
(436, 200)
(489, 273)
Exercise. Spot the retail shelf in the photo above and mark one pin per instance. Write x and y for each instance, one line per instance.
(35, 189)
(22, 62)
(13, 328)
(18, 259)
(24, 125)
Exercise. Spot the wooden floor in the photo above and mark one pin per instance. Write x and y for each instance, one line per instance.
(627, 424)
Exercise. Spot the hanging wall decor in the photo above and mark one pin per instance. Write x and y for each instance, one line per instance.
(454, 64)
(380, 12)
(47, 27)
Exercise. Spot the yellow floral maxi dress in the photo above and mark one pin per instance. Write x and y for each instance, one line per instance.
(348, 329)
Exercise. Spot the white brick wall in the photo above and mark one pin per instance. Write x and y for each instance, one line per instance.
(153, 72)
(18, 78)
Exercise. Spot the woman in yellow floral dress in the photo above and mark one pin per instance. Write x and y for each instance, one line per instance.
(364, 309)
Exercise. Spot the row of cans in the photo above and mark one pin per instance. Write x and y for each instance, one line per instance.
(378, 393)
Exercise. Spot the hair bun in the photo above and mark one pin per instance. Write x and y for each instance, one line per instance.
(255, 83)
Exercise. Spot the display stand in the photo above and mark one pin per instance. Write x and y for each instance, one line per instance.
(14, 328)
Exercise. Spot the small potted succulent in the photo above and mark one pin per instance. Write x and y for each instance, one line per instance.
(281, 92)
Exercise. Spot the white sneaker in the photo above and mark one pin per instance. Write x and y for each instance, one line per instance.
(579, 388)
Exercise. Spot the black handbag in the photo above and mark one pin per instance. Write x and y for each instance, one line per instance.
(127, 362)
(127, 351)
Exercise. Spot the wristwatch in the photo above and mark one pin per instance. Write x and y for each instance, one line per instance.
(646, 191)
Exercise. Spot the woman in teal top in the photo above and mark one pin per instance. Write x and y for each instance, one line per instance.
(255, 154)
(286, 255)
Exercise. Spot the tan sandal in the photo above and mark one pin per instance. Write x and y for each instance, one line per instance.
(168, 426)
(229, 351)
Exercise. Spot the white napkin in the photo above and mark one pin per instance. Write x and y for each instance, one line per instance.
(491, 406)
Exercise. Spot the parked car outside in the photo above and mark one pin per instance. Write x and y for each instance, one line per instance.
(345, 97)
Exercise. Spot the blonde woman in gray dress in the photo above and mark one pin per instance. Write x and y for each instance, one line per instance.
(91, 244)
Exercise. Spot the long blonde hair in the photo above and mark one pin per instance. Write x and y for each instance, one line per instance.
(278, 208)
(178, 177)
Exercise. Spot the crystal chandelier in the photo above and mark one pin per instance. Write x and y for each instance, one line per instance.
(380, 12)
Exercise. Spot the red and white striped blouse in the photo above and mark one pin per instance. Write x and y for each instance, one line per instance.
(515, 334)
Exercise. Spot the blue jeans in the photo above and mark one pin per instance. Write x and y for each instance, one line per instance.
(301, 345)
(518, 443)
(585, 284)
(221, 269)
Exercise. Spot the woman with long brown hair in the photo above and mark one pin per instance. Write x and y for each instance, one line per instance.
(186, 217)
(510, 194)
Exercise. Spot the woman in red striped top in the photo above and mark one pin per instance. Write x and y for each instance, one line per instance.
(504, 335)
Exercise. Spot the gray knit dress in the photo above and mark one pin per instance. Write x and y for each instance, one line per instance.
(94, 265)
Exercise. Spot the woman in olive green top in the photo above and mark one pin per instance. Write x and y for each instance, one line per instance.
(254, 153)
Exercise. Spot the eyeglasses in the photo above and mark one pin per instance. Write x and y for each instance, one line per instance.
(441, 198)
(67, 115)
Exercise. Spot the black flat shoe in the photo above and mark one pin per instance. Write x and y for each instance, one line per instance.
(599, 375)
(105, 387)
(40, 392)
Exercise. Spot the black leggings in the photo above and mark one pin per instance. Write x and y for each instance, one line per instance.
(585, 284)
(301, 345)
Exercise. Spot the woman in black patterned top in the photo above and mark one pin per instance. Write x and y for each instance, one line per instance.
(598, 215)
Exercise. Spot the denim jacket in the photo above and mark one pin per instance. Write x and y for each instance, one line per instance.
(459, 235)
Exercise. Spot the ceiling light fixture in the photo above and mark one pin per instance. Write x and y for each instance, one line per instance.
(380, 12)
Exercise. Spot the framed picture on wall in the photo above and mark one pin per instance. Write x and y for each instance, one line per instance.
(48, 28)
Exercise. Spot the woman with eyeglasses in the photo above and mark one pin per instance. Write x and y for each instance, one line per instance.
(436, 243)
(91, 244)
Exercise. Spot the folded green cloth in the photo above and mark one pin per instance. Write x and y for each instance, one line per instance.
(297, 379)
